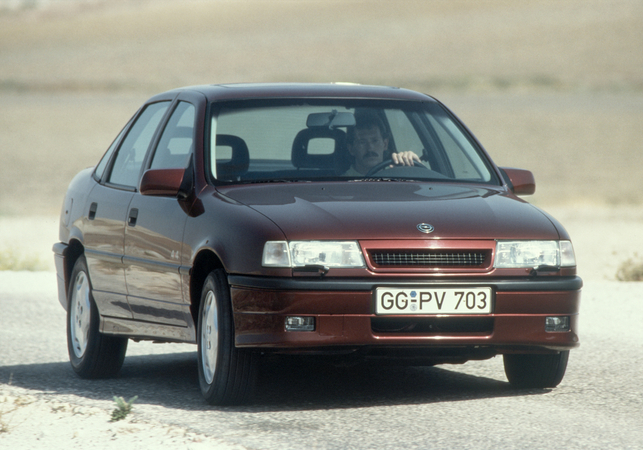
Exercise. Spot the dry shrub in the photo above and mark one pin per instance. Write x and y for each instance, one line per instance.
(631, 270)
(11, 259)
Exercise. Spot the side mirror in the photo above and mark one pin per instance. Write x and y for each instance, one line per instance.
(161, 182)
(521, 182)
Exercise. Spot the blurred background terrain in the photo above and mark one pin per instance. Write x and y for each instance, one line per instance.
(553, 87)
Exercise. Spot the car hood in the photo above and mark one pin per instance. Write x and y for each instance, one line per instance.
(393, 210)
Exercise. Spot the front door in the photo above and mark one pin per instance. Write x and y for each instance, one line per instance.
(154, 233)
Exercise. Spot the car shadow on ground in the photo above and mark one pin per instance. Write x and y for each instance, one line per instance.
(292, 384)
(284, 384)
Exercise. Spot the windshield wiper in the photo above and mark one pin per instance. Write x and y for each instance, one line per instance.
(271, 181)
(380, 179)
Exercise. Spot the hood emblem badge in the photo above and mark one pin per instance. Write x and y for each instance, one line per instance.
(425, 228)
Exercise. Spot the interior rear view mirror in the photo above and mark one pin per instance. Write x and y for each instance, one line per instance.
(333, 119)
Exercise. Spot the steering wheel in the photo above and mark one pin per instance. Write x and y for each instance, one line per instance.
(390, 162)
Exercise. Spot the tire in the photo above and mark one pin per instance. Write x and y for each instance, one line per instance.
(536, 371)
(226, 374)
(92, 354)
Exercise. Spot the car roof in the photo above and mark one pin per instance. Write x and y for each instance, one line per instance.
(248, 91)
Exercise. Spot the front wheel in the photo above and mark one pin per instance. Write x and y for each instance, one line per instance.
(536, 371)
(92, 354)
(226, 373)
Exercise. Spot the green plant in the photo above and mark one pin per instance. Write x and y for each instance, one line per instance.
(631, 270)
(123, 408)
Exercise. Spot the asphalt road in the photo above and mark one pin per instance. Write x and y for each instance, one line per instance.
(597, 406)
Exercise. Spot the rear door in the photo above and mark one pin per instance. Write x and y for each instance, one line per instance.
(107, 207)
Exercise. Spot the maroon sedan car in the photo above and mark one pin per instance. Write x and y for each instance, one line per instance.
(321, 219)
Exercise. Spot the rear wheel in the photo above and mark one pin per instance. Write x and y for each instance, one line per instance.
(92, 354)
(536, 371)
(226, 373)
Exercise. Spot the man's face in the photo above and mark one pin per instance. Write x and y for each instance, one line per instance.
(368, 148)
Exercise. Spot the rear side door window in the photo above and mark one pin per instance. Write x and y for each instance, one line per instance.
(131, 154)
(102, 165)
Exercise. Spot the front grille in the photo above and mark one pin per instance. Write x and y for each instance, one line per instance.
(427, 258)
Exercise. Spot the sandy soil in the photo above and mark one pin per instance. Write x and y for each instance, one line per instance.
(554, 87)
(39, 422)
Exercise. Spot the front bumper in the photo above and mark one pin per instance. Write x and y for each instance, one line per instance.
(60, 250)
(343, 311)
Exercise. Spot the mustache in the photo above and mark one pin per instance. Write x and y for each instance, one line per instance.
(369, 154)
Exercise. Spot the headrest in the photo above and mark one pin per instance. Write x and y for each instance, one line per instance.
(239, 161)
(302, 159)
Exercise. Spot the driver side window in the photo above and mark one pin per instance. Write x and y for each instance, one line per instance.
(177, 140)
(127, 166)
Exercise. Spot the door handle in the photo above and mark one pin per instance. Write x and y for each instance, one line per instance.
(92, 211)
(133, 215)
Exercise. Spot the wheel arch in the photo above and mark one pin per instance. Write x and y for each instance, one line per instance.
(205, 262)
(74, 251)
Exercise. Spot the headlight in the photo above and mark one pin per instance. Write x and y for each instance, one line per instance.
(523, 254)
(332, 254)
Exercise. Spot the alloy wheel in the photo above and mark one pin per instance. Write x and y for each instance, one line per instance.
(80, 316)
(209, 337)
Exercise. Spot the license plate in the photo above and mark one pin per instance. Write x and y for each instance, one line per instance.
(477, 300)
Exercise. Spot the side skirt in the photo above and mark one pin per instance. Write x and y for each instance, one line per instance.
(138, 330)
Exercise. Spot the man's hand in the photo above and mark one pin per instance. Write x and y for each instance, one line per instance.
(405, 158)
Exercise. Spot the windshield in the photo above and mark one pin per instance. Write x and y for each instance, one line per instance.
(306, 140)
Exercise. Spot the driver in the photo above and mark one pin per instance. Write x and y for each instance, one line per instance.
(367, 143)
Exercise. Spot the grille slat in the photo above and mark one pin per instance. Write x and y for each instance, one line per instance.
(427, 258)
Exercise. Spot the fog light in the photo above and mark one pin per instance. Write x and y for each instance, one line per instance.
(300, 324)
(556, 324)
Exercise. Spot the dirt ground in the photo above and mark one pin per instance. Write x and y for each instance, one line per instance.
(554, 87)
